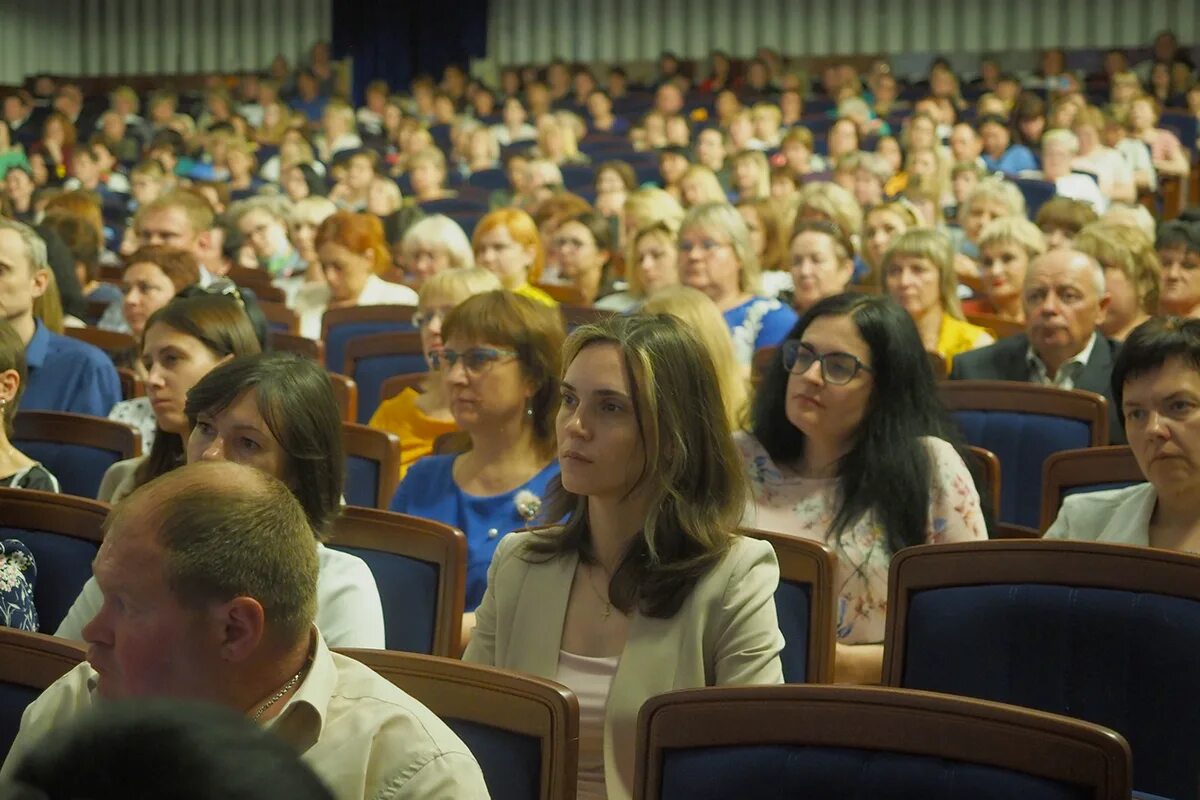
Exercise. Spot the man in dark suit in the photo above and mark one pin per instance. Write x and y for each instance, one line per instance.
(1064, 300)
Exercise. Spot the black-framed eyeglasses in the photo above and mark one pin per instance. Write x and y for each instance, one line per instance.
(475, 360)
(837, 369)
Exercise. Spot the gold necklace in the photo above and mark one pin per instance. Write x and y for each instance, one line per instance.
(601, 597)
(287, 687)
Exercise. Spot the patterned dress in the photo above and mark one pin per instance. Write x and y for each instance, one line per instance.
(785, 502)
(18, 573)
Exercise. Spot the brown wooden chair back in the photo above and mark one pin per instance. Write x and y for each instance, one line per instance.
(443, 546)
(54, 439)
(565, 294)
(809, 567)
(301, 346)
(116, 345)
(398, 383)
(1105, 467)
(986, 469)
(469, 697)
(345, 391)
(928, 727)
(372, 460)
(131, 385)
(29, 663)
(280, 317)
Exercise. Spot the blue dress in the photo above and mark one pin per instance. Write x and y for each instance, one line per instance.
(757, 323)
(428, 490)
(18, 574)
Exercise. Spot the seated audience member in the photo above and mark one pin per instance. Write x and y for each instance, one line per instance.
(352, 190)
(337, 131)
(1157, 386)
(827, 201)
(508, 244)
(822, 262)
(427, 173)
(881, 225)
(263, 222)
(991, 199)
(276, 412)
(820, 420)
(1064, 298)
(1112, 171)
(673, 164)
(383, 197)
(1132, 274)
(1178, 248)
(181, 342)
(1006, 247)
(353, 253)
(64, 374)
(716, 257)
(615, 180)
(711, 151)
(242, 164)
(434, 244)
(300, 181)
(1059, 149)
(85, 243)
(1166, 152)
(871, 174)
(1062, 218)
(182, 219)
(217, 560)
(499, 365)
(647, 467)
(419, 418)
(1000, 154)
(700, 316)
(653, 264)
(647, 206)
(751, 176)
(17, 470)
(200, 751)
(303, 223)
(769, 241)
(585, 249)
(918, 273)
(699, 185)
(152, 276)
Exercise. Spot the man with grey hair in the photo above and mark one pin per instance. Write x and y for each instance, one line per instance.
(209, 580)
(1064, 299)
(64, 374)
(1059, 149)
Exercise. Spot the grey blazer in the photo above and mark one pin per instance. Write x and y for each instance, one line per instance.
(1116, 516)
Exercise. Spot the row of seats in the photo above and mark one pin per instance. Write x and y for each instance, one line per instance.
(1047, 625)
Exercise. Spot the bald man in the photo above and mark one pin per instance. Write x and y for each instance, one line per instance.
(1064, 299)
(209, 580)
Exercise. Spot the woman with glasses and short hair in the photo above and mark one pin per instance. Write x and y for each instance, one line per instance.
(499, 365)
(849, 445)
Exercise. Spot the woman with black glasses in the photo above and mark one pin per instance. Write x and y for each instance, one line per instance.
(850, 446)
(499, 364)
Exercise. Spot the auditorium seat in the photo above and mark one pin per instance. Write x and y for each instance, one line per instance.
(372, 359)
(372, 465)
(29, 663)
(340, 325)
(1091, 469)
(77, 448)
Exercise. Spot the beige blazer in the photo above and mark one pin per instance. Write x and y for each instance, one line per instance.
(726, 633)
(1115, 516)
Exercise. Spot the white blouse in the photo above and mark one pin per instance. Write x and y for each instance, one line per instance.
(590, 679)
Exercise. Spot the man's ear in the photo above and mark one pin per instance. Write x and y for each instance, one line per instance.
(240, 624)
(40, 282)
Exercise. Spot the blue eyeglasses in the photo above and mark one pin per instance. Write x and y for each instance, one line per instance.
(475, 361)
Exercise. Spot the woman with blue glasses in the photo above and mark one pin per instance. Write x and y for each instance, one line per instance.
(849, 445)
(499, 365)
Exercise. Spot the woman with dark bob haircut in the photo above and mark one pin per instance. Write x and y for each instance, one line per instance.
(277, 412)
(849, 445)
(647, 571)
(1156, 386)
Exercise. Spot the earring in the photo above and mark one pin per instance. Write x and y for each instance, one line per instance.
(529, 409)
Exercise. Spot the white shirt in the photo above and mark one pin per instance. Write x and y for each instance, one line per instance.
(1065, 377)
(349, 611)
(363, 737)
(1084, 188)
(312, 300)
(1108, 165)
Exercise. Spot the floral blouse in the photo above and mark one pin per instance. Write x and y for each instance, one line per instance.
(785, 502)
(18, 573)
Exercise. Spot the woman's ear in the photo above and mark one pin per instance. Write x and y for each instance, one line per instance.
(10, 382)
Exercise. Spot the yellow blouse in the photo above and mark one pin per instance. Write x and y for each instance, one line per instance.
(957, 336)
(417, 431)
(534, 293)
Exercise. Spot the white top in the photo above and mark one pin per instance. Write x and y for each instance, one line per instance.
(312, 299)
(1108, 165)
(590, 679)
(1084, 188)
(365, 738)
(349, 612)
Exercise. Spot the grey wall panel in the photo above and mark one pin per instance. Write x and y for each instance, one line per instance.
(525, 31)
(130, 37)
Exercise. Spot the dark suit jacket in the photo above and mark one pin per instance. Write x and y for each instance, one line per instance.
(1005, 361)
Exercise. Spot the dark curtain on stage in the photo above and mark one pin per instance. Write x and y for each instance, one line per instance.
(396, 40)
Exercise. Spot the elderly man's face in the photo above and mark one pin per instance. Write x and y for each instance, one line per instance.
(1063, 304)
(19, 284)
(1056, 160)
(144, 641)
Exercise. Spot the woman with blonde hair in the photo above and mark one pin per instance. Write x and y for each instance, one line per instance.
(434, 244)
(918, 273)
(644, 586)
(882, 225)
(716, 257)
(751, 176)
(1132, 274)
(701, 317)
(419, 417)
(769, 239)
(508, 243)
(1006, 248)
(699, 184)
(556, 142)
(653, 264)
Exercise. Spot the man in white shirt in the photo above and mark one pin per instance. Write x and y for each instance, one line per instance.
(209, 581)
(1112, 171)
(1059, 149)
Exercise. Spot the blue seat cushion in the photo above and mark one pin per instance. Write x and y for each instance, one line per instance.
(370, 373)
(1129, 661)
(79, 468)
(769, 772)
(362, 482)
(408, 589)
(339, 335)
(1098, 487)
(64, 564)
(511, 762)
(13, 700)
(793, 603)
(1022, 442)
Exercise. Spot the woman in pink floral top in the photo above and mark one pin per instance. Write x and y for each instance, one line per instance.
(850, 446)
(1166, 151)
